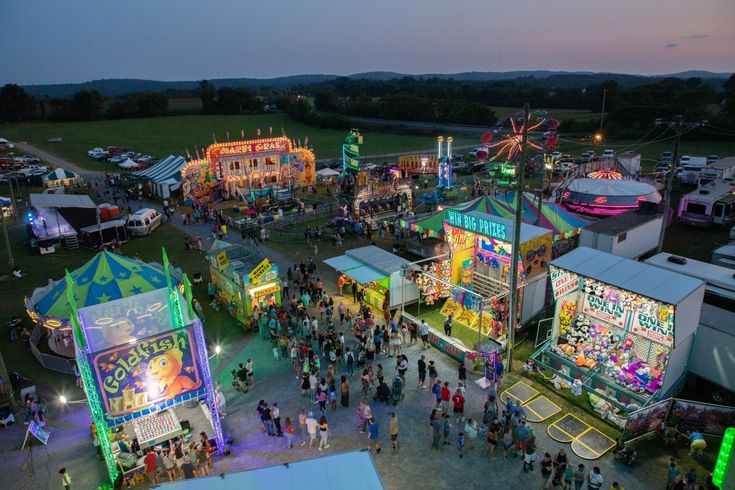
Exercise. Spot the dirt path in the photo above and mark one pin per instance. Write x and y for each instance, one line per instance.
(57, 161)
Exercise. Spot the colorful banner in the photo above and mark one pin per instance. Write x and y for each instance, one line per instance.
(563, 282)
(38, 432)
(604, 310)
(478, 224)
(222, 261)
(536, 255)
(645, 420)
(135, 375)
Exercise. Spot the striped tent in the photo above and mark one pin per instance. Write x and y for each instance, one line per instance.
(106, 277)
(168, 168)
(561, 222)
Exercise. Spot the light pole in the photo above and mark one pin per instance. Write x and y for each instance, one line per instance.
(515, 248)
(11, 260)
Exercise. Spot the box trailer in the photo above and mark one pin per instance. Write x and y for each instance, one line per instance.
(628, 235)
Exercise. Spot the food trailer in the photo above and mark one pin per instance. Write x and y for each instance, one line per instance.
(622, 327)
(244, 279)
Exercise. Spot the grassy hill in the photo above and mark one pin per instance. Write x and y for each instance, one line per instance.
(175, 134)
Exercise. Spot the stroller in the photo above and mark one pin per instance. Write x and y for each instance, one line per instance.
(383, 393)
(396, 393)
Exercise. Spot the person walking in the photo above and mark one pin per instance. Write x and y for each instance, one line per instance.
(344, 390)
(424, 333)
(460, 444)
(151, 468)
(547, 466)
(302, 426)
(323, 433)
(374, 436)
(672, 475)
(594, 479)
(276, 417)
(462, 375)
(311, 428)
(458, 405)
(402, 367)
(436, 433)
(288, 431)
(493, 437)
(529, 456)
(422, 372)
(349, 361)
(65, 479)
(393, 428)
(579, 475)
(448, 326)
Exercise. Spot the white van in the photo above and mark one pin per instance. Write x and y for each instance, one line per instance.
(144, 221)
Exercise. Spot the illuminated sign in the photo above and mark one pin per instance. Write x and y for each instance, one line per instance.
(476, 224)
(652, 328)
(604, 310)
(256, 274)
(222, 261)
(265, 291)
(136, 375)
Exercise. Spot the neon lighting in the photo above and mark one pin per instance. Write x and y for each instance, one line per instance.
(724, 459)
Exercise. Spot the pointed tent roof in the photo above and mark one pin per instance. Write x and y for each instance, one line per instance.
(218, 245)
(60, 174)
(106, 277)
(561, 222)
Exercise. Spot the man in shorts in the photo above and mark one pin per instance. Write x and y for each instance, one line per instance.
(373, 435)
(458, 405)
(424, 334)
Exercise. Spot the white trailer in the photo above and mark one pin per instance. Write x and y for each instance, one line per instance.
(628, 235)
(720, 169)
(713, 203)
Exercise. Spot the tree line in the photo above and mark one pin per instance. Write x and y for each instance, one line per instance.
(628, 109)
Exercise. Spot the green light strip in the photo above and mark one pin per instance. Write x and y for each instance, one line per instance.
(723, 458)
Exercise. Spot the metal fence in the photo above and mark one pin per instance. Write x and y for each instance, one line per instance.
(49, 361)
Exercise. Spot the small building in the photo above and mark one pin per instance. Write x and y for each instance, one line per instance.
(630, 235)
(244, 279)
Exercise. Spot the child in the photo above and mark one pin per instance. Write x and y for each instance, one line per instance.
(460, 443)
(333, 397)
(445, 430)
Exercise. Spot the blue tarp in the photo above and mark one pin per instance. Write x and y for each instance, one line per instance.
(353, 470)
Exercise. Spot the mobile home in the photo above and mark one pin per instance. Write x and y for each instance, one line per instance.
(713, 203)
(720, 169)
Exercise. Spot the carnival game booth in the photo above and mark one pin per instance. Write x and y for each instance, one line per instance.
(244, 279)
(105, 277)
(622, 327)
(232, 170)
(607, 197)
(380, 274)
(61, 178)
(141, 359)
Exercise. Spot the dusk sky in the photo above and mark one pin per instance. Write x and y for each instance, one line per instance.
(49, 41)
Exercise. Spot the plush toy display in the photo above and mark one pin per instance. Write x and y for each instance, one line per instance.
(636, 374)
(587, 343)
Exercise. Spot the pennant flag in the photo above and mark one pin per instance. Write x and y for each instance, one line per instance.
(283, 131)
(306, 141)
(242, 133)
(258, 132)
(196, 149)
(228, 136)
(73, 318)
(214, 138)
(187, 154)
(270, 131)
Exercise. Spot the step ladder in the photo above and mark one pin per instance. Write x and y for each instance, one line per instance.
(71, 242)
(487, 287)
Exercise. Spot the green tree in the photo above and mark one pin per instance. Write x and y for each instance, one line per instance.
(151, 104)
(207, 93)
(16, 105)
(86, 105)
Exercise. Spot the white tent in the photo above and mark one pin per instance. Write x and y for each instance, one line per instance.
(165, 176)
(128, 164)
(326, 172)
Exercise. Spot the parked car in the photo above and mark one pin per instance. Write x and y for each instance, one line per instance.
(6, 145)
(608, 153)
(54, 139)
(94, 150)
(663, 169)
(666, 157)
(32, 159)
(712, 158)
(144, 221)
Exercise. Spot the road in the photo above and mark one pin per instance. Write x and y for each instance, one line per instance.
(57, 161)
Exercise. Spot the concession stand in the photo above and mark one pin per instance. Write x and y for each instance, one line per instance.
(143, 361)
(622, 327)
(244, 279)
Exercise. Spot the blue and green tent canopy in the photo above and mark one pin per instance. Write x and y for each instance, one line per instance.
(107, 277)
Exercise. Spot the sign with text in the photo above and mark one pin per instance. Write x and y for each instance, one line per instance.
(563, 282)
(476, 224)
(604, 310)
(259, 271)
(38, 432)
(222, 261)
(661, 332)
(136, 375)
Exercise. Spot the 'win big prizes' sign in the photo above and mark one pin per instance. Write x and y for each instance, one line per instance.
(604, 310)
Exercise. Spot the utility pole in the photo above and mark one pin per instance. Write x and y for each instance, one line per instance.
(677, 124)
(516, 245)
(11, 260)
(602, 113)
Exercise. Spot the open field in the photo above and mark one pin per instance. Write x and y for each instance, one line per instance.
(177, 134)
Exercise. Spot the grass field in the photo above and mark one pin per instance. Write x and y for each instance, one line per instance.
(175, 134)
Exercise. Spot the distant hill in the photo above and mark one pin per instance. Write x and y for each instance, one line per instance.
(121, 86)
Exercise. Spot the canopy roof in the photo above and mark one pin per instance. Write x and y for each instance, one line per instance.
(128, 164)
(378, 259)
(607, 187)
(354, 470)
(636, 277)
(165, 170)
(60, 174)
(106, 277)
(562, 223)
(61, 201)
(327, 172)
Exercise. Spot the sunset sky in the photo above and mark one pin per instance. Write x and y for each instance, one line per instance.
(48, 41)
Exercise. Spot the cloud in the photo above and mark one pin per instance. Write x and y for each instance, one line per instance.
(671, 45)
(696, 36)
